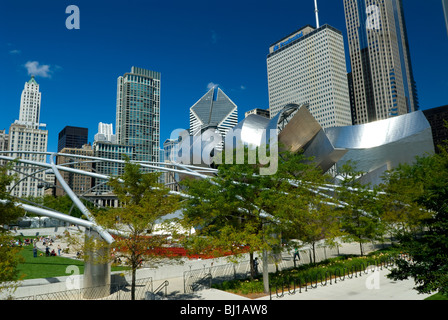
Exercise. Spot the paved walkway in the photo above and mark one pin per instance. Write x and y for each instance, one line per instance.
(371, 286)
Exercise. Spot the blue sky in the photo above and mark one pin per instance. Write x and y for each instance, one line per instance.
(191, 43)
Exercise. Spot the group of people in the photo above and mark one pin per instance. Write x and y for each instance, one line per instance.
(52, 253)
(47, 242)
(19, 243)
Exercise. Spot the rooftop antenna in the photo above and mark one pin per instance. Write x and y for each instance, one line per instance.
(317, 14)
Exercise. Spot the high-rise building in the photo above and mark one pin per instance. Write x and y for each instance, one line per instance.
(138, 113)
(3, 140)
(28, 134)
(438, 119)
(4, 143)
(80, 184)
(258, 111)
(72, 137)
(214, 110)
(308, 67)
(30, 104)
(105, 133)
(171, 154)
(113, 151)
(383, 81)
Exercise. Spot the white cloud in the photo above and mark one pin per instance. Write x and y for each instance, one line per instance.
(243, 87)
(212, 85)
(35, 69)
(15, 51)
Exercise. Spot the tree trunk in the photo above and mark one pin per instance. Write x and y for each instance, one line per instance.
(251, 262)
(265, 272)
(134, 269)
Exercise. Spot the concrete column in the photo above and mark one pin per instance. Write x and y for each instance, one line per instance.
(96, 266)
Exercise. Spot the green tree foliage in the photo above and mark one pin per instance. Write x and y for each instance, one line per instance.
(423, 185)
(61, 204)
(303, 207)
(239, 209)
(360, 214)
(144, 201)
(9, 212)
(230, 211)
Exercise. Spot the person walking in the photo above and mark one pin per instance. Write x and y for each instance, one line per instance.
(296, 255)
(59, 249)
(256, 266)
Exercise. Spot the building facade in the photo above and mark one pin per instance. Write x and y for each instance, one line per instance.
(308, 66)
(214, 110)
(383, 81)
(80, 184)
(258, 111)
(138, 113)
(112, 151)
(72, 137)
(28, 134)
(30, 102)
(171, 154)
(24, 138)
(438, 119)
(105, 133)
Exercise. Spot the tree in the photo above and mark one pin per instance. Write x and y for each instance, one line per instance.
(229, 212)
(239, 210)
(144, 202)
(9, 212)
(424, 183)
(302, 206)
(360, 214)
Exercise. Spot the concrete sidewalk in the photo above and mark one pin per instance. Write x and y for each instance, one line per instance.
(371, 286)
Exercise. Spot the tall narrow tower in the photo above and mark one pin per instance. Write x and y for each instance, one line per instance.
(28, 134)
(383, 81)
(30, 103)
(138, 113)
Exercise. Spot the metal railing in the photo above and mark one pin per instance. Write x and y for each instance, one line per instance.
(114, 291)
(304, 282)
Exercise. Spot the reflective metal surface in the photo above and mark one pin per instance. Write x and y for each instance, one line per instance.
(383, 145)
(373, 147)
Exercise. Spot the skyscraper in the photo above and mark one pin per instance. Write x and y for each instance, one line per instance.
(80, 184)
(72, 137)
(383, 81)
(308, 66)
(30, 104)
(138, 113)
(213, 110)
(28, 134)
(105, 146)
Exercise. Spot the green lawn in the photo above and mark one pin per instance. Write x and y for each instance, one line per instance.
(48, 267)
(437, 296)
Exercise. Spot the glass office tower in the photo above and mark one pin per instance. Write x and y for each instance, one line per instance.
(138, 113)
(383, 81)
